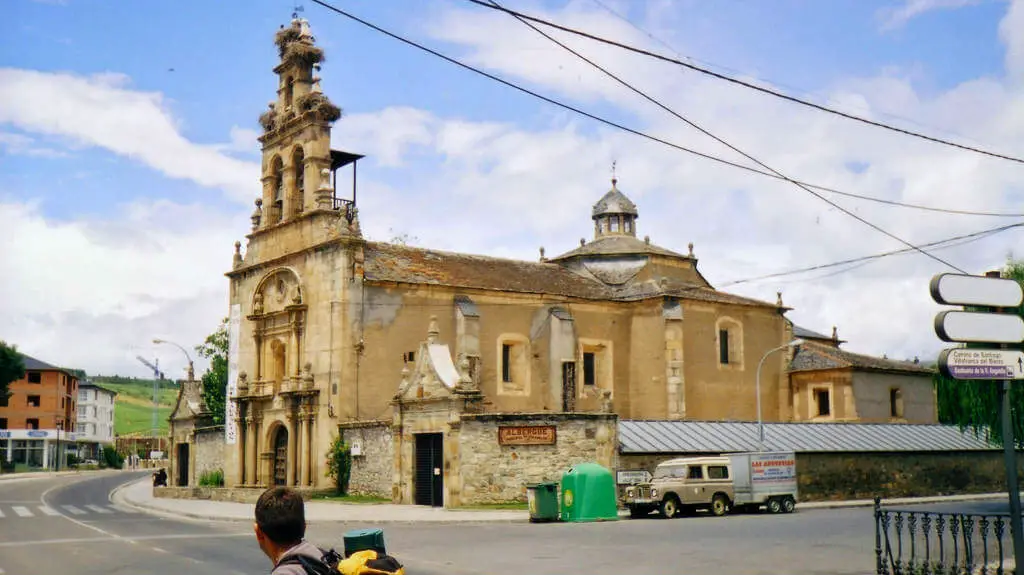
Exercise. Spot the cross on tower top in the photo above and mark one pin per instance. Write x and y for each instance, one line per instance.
(295, 11)
(614, 179)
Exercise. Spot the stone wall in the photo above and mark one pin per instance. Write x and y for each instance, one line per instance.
(845, 476)
(209, 450)
(373, 469)
(494, 473)
(232, 494)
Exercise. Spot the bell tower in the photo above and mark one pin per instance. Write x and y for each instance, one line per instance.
(296, 134)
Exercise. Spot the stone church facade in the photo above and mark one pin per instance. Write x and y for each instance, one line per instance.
(328, 329)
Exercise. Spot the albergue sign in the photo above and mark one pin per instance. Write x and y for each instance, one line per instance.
(527, 435)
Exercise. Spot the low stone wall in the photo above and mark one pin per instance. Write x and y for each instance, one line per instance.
(209, 448)
(845, 476)
(232, 494)
(495, 473)
(373, 469)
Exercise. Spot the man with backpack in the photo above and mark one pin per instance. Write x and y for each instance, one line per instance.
(281, 531)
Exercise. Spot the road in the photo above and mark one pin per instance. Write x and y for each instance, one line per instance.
(69, 525)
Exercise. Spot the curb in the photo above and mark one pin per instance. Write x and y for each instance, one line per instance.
(188, 515)
(810, 505)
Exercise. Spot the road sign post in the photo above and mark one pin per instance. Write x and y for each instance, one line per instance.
(999, 330)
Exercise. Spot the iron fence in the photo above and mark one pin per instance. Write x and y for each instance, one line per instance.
(934, 543)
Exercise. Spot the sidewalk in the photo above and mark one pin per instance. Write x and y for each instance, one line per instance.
(139, 494)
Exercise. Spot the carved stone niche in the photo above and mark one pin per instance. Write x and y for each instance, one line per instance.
(277, 292)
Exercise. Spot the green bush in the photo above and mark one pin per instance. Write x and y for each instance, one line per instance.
(212, 478)
(111, 458)
(72, 460)
(339, 464)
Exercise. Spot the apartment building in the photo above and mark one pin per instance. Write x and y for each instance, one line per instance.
(37, 415)
(95, 423)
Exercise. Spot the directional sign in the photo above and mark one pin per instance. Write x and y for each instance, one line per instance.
(982, 364)
(976, 327)
(959, 289)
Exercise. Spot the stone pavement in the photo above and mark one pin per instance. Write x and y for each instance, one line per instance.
(139, 494)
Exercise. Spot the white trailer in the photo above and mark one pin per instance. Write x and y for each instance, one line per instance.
(764, 478)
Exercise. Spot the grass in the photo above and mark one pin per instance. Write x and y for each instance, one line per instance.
(511, 506)
(134, 419)
(351, 499)
(133, 408)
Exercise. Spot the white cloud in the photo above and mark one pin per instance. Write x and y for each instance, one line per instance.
(1011, 31)
(92, 293)
(896, 16)
(20, 144)
(101, 111)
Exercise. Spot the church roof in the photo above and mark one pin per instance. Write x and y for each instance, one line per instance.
(386, 262)
(812, 356)
(618, 245)
(614, 202)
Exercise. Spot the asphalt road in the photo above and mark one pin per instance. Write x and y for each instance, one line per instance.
(69, 525)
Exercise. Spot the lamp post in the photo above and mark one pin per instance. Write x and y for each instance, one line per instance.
(757, 380)
(191, 371)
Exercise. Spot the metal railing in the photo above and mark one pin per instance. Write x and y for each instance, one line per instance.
(935, 543)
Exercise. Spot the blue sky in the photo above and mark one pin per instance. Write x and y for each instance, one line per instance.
(459, 162)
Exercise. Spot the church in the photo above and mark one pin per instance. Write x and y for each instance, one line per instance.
(457, 377)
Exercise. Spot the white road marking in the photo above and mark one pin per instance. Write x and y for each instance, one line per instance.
(158, 549)
(134, 541)
(48, 511)
(73, 510)
(98, 509)
(22, 511)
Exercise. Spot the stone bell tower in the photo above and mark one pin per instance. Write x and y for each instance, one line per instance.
(296, 133)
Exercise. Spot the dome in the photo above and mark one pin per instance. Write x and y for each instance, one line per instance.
(614, 202)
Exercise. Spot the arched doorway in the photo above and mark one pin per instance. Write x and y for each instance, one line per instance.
(281, 456)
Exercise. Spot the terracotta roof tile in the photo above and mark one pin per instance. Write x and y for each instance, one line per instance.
(811, 356)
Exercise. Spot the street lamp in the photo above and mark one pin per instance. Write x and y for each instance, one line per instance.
(757, 379)
(191, 371)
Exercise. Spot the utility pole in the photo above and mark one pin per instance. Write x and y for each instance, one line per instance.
(157, 377)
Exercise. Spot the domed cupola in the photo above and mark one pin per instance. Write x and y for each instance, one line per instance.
(614, 214)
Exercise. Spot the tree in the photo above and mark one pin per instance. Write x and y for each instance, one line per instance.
(12, 368)
(215, 380)
(974, 404)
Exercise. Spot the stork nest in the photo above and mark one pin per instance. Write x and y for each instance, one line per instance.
(285, 37)
(306, 53)
(268, 120)
(317, 104)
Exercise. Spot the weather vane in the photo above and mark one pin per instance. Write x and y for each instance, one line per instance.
(614, 180)
(298, 8)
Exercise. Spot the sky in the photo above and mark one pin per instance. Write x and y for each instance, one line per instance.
(129, 161)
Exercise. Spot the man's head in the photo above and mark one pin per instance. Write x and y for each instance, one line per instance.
(280, 521)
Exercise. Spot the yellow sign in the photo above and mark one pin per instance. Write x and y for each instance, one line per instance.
(568, 497)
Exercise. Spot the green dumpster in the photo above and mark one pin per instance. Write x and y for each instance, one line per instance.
(543, 501)
(363, 539)
(589, 494)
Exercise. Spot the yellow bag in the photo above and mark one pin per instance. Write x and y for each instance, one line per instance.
(367, 563)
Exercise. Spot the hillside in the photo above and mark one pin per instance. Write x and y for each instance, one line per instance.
(133, 410)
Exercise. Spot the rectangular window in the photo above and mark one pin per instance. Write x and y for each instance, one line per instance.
(895, 402)
(35, 377)
(63, 403)
(33, 401)
(506, 362)
(589, 369)
(83, 395)
(409, 356)
(627, 226)
(696, 472)
(718, 472)
(822, 398)
(80, 428)
(4, 399)
(615, 224)
(723, 346)
(3, 423)
(81, 411)
(31, 424)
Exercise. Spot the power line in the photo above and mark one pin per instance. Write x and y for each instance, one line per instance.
(939, 244)
(723, 142)
(644, 135)
(648, 136)
(799, 90)
(737, 81)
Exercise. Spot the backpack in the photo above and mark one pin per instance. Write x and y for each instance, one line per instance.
(369, 562)
(326, 565)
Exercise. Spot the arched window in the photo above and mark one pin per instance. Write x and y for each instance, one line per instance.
(300, 180)
(277, 205)
(289, 89)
